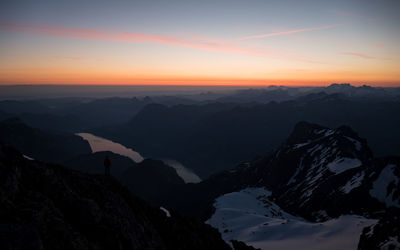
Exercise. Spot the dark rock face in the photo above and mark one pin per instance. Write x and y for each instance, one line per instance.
(152, 180)
(238, 245)
(318, 173)
(383, 235)
(306, 172)
(49, 207)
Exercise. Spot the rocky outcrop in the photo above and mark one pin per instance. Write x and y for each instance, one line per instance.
(318, 173)
(383, 235)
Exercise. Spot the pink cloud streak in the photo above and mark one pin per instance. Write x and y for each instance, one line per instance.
(74, 58)
(357, 54)
(202, 43)
(93, 34)
(289, 32)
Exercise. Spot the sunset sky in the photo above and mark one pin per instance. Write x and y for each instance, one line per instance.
(251, 42)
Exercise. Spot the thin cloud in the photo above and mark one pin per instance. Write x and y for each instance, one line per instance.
(201, 43)
(380, 45)
(355, 16)
(288, 32)
(93, 34)
(357, 54)
(74, 58)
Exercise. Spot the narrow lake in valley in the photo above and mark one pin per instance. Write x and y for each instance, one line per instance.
(99, 144)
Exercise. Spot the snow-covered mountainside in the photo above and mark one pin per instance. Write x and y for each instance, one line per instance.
(321, 169)
(250, 216)
(319, 175)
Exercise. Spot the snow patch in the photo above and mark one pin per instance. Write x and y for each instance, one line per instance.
(380, 186)
(371, 231)
(186, 174)
(329, 132)
(321, 215)
(340, 165)
(167, 213)
(28, 158)
(299, 145)
(315, 149)
(298, 169)
(319, 131)
(249, 216)
(325, 132)
(354, 182)
(356, 143)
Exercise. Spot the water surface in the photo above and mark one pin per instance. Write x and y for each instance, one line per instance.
(99, 144)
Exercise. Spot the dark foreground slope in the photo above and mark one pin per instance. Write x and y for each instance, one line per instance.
(49, 207)
(150, 179)
(93, 163)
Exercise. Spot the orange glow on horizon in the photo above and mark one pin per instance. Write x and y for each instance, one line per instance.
(108, 74)
(199, 44)
(127, 58)
(200, 81)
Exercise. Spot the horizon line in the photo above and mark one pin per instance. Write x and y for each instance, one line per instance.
(196, 85)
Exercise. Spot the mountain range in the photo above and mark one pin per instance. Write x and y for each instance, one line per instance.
(213, 137)
(269, 181)
(318, 176)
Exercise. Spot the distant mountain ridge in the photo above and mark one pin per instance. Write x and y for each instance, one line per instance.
(40, 144)
(216, 133)
(213, 137)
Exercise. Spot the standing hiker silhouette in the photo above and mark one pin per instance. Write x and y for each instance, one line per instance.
(107, 164)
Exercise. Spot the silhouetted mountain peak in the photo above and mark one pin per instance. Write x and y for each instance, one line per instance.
(340, 86)
(42, 144)
(304, 131)
(304, 169)
(320, 97)
(320, 173)
(343, 138)
(347, 131)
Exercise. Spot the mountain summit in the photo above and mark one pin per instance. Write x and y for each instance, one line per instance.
(319, 177)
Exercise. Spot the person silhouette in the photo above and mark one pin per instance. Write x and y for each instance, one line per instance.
(107, 164)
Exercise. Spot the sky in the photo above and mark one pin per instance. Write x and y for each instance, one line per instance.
(253, 42)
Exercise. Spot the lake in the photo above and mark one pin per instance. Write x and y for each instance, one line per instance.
(99, 144)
